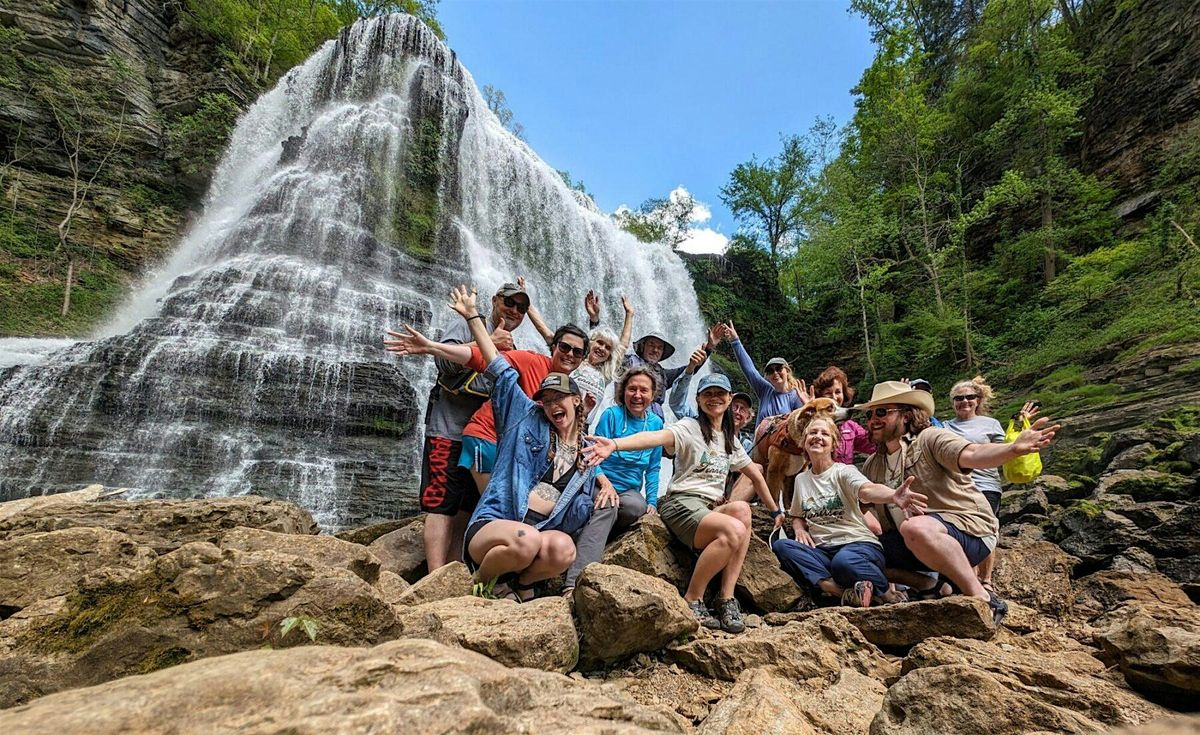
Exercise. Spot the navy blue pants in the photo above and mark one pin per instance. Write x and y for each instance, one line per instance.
(846, 564)
(899, 557)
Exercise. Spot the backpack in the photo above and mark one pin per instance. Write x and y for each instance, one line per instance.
(466, 383)
(1023, 469)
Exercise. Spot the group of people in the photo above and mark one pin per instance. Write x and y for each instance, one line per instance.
(524, 480)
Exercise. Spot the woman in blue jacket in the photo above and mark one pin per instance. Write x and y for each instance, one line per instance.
(541, 489)
(779, 393)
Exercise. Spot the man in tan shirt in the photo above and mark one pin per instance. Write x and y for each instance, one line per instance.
(958, 529)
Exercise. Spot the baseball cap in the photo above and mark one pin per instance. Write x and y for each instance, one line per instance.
(714, 380)
(777, 361)
(745, 397)
(920, 384)
(511, 289)
(559, 383)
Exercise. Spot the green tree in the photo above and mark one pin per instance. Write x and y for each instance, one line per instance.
(497, 102)
(768, 197)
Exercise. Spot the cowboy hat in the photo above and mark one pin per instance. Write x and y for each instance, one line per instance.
(668, 348)
(894, 391)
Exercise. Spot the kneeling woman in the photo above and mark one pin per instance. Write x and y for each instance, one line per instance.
(834, 550)
(694, 506)
(540, 491)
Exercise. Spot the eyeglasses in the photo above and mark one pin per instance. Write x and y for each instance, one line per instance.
(776, 369)
(520, 306)
(971, 397)
(881, 412)
(567, 349)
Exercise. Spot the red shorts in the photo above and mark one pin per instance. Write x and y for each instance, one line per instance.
(446, 488)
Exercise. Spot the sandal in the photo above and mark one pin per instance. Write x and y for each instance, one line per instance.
(987, 586)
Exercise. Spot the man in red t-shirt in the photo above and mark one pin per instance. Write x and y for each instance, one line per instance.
(568, 347)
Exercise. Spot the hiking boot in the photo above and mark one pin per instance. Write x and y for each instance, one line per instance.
(859, 595)
(701, 613)
(730, 615)
(999, 608)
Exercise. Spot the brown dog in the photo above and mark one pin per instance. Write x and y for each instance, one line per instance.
(778, 445)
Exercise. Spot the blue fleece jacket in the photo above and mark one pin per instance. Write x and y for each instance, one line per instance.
(770, 401)
(627, 470)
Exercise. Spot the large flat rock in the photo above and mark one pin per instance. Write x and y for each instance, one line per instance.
(907, 624)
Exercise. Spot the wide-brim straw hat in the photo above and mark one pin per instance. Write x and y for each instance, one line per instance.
(894, 391)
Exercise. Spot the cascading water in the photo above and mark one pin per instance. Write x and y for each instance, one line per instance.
(252, 362)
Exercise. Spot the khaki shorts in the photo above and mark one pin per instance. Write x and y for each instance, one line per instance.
(682, 513)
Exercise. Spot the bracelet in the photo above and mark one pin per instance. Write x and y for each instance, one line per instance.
(477, 316)
(776, 513)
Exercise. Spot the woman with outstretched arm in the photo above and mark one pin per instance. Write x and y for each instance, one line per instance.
(694, 507)
(541, 489)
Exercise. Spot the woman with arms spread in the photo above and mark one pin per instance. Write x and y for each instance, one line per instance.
(694, 507)
(834, 551)
(779, 393)
(540, 491)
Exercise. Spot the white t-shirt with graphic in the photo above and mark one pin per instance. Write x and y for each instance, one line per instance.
(828, 502)
(700, 468)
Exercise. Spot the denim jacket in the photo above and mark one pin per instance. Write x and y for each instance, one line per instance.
(522, 458)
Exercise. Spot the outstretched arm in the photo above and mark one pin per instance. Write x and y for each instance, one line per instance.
(985, 456)
(535, 316)
(757, 381)
(602, 447)
(627, 328)
(414, 343)
(462, 301)
(902, 497)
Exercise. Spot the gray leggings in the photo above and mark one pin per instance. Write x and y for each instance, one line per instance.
(590, 540)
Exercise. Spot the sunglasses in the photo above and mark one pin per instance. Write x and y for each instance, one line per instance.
(776, 369)
(567, 349)
(971, 397)
(512, 303)
(882, 412)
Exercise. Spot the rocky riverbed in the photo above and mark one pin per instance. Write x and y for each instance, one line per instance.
(237, 615)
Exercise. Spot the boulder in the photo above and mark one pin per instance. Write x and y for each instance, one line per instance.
(539, 634)
(1095, 535)
(1144, 485)
(1034, 573)
(622, 612)
(1049, 684)
(1058, 490)
(12, 508)
(649, 548)
(1109, 589)
(366, 535)
(1176, 537)
(1145, 515)
(1157, 648)
(1132, 457)
(194, 602)
(164, 525)
(40, 565)
(318, 550)
(402, 551)
(412, 687)
(907, 624)
(658, 683)
(1138, 561)
(814, 647)
(1126, 439)
(763, 585)
(765, 702)
(450, 580)
(1023, 504)
(391, 586)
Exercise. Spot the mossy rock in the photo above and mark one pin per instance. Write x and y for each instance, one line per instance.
(1147, 485)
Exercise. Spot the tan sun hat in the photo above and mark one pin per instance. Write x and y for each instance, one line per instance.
(894, 391)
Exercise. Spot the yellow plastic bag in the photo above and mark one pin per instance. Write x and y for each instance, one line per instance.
(1026, 468)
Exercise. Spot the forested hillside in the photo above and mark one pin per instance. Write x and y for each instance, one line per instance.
(1016, 194)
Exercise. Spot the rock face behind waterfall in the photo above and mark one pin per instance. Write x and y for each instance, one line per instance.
(350, 199)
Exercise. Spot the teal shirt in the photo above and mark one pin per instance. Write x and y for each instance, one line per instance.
(628, 470)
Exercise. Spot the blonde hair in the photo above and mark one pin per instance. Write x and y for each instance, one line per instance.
(610, 367)
(834, 432)
(980, 386)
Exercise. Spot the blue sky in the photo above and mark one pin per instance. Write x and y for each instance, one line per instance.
(637, 98)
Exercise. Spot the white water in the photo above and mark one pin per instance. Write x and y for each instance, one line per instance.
(251, 361)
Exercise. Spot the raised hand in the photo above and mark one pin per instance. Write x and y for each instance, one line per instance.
(802, 391)
(503, 339)
(1036, 437)
(1029, 410)
(730, 332)
(600, 449)
(627, 304)
(591, 302)
(696, 360)
(413, 343)
(714, 335)
(908, 500)
(462, 301)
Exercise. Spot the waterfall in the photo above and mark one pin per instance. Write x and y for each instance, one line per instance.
(350, 198)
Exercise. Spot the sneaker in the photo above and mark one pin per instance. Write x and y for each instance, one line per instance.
(999, 608)
(730, 615)
(859, 595)
(701, 613)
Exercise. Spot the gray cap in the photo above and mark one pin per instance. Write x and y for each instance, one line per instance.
(511, 289)
(921, 384)
(714, 380)
(776, 361)
(668, 348)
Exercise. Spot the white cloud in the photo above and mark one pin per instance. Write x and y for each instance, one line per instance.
(700, 211)
(704, 240)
